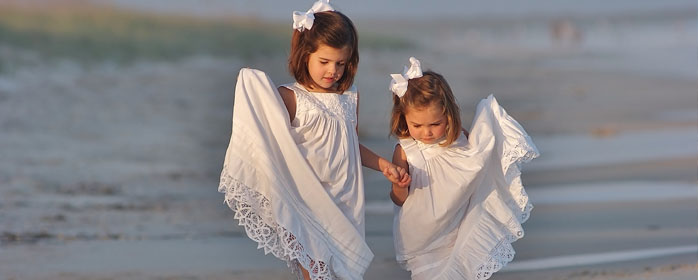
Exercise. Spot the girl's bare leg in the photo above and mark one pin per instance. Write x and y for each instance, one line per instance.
(306, 275)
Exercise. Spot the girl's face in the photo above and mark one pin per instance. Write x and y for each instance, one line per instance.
(427, 124)
(326, 66)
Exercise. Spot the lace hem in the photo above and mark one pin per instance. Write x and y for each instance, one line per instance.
(253, 212)
(503, 253)
(522, 152)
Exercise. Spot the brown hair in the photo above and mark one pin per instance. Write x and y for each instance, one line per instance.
(330, 28)
(421, 92)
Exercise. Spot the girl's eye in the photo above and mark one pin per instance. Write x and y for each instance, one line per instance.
(323, 62)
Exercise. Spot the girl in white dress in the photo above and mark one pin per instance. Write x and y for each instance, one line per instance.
(292, 171)
(465, 203)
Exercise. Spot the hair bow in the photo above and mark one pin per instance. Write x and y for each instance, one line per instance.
(303, 21)
(399, 83)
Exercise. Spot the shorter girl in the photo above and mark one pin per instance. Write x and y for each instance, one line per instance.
(465, 204)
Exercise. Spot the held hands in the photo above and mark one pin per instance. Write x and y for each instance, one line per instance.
(397, 175)
(394, 173)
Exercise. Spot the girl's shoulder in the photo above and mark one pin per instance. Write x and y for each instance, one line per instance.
(410, 148)
(294, 87)
(297, 91)
(407, 142)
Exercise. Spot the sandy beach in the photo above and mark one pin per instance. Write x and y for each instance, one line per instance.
(110, 171)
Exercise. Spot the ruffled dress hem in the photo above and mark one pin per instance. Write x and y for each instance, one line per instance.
(253, 212)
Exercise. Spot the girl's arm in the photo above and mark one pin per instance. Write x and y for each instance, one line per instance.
(394, 173)
(399, 191)
(376, 162)
(289, 98)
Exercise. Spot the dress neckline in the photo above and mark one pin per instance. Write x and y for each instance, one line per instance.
(299, 85)
(461, 140)
(436, 143)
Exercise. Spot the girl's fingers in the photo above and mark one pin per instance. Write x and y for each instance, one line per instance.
(405, 177)
(402, 172)
(390, 177)
(394, 173)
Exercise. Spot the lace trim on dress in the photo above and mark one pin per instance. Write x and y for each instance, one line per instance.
(503, 253)
(341, 106)
(253, 211)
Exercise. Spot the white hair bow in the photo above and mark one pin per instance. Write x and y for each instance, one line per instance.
(399, 83)
(303, 21)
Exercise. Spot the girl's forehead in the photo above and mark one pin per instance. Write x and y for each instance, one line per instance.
(433, 106)
(328, 51)
(431, 111)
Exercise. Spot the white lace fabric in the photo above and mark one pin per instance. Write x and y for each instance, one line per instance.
(503, 252)
(342, 107)
(253, 212)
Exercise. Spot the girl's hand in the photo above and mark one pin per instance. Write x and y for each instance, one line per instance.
(405, 181)
(397, 175)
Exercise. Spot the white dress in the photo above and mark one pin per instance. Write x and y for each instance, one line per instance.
(325, 131)
(298, 189)
(466, 202)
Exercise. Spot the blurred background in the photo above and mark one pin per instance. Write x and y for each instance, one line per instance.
(115, 116)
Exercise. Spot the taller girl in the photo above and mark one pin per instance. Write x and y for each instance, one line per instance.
(292, 171)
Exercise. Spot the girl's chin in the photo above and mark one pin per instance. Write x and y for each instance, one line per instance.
(326, 86)
(431, 141)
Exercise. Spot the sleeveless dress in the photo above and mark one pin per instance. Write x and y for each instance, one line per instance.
(466, 202)
(297, 187)
(325, 131)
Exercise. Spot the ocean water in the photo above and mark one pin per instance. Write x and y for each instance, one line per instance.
(506, 47)
(640, 34)
(405, 9)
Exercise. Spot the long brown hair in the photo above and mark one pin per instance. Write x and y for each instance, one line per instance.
(422, 92)
(331, 28)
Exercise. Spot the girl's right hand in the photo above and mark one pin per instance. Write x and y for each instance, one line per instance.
(401, 182)
(398, 176)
